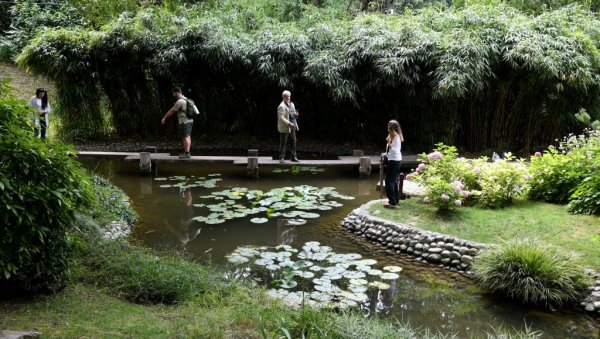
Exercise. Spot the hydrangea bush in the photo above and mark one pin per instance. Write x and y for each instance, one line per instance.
(451, 181)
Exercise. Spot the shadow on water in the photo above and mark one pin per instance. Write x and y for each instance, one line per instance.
(424, 295)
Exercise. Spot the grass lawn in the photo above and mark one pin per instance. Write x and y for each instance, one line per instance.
(525, 219)
(83, 311)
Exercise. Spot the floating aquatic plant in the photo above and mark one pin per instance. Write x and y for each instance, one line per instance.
(339, 280)
(292, 203)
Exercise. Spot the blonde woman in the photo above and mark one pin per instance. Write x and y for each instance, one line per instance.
(394, 158)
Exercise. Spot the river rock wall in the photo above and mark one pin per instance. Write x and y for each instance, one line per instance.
(431, 247)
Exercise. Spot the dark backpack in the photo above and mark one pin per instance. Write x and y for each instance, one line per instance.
(190, 108)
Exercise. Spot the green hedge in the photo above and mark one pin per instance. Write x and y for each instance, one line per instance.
(41, 188)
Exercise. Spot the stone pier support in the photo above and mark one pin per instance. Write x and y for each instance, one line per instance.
(145, 162)
(364, 168)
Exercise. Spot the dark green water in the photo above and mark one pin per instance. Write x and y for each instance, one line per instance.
(425, 296)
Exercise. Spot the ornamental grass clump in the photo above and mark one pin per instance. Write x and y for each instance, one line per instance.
(532, 273)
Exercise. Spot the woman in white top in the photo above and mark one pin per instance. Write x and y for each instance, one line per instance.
(394, 156)
(41, 107)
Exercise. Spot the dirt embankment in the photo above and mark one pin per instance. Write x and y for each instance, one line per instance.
(23, 83)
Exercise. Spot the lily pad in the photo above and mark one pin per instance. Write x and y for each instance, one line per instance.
(389, 276)
(358, 282)
(237, 259)
(393, 269)
(295, 222)
(259, 220)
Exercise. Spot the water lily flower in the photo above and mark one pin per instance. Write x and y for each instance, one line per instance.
(445, 197)
(538, 154)
(458, 203)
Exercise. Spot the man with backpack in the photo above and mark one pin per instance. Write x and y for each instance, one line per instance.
(186, 110)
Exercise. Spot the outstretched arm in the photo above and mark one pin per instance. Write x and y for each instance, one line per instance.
(168, 114)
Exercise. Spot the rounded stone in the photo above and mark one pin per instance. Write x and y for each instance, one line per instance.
(466, 258)
(435, 250)
(434, 258)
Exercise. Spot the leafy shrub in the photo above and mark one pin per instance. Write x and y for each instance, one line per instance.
(531, 273)
(28, 17)
(109, 204)
(586, 199)
(41, 188)
(139, 275)
(500, 182)
(569, 172)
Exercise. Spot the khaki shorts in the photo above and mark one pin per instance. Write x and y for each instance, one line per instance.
(185, 130)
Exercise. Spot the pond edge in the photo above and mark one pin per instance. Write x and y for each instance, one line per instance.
(434, 248)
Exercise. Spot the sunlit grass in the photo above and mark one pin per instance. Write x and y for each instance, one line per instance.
(525, 219)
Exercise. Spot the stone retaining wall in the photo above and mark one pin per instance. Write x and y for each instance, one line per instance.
(432, 247)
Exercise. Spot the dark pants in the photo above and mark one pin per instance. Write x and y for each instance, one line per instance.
(283, 141)
(42, 128)
(391, 181)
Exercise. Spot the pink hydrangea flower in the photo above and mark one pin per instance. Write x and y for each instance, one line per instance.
(476, 170)
(407, 177)
(466, 194)
(421, 167)
(538, 154)
(551, 146)
(445, 197)
(528, 177)
(458, 203)
(435, 156)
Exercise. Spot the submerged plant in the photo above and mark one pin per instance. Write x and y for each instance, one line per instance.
(532, 273)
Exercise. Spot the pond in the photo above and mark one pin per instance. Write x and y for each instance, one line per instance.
(424, 295)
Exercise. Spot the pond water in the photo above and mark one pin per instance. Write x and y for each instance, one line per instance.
(424, 295)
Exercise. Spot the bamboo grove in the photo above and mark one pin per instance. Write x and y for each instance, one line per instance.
(479, 77)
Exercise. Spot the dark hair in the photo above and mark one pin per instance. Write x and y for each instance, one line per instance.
(176, 89)
(44, 98)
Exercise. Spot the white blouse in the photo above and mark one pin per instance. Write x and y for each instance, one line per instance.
(394, 153)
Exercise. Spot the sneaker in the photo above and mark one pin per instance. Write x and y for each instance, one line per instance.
(185, 155)
(294, 159)
(389, 206)
(281, 160)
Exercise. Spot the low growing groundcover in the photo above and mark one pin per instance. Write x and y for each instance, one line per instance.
(524, 219)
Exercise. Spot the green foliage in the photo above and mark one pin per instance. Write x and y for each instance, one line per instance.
(450, 181)
(501, 78)
(531, 273)
(569, 173)
(41, 188)
(535, 6)
(501, 181)
(140, 275)
(109, 204)
(29, 17)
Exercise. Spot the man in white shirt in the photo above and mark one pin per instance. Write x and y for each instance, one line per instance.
(287, 126)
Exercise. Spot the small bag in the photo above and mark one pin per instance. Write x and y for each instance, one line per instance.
(190, 109)
(385, 161)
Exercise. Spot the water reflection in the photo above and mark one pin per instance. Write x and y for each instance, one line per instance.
(183, 226)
